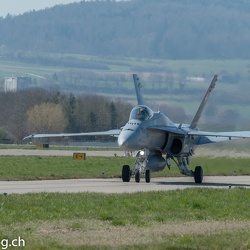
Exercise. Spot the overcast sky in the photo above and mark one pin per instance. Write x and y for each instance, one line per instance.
(15, 7)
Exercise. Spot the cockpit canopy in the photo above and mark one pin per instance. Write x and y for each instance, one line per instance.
(141, 113)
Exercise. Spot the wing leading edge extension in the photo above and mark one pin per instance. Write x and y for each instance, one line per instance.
(211, 137)
(205, 137)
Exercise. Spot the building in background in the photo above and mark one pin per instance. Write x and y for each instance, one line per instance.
(12, 84)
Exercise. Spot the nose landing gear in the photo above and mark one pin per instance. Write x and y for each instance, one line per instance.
(138, 170)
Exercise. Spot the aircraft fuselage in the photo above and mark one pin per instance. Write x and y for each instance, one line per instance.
(141, 132)
(136, 136)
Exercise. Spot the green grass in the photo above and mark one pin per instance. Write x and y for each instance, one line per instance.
(64, 167)
(194, 67)
(154, 207)
(59, 167)
(181, 219)
(222, 166)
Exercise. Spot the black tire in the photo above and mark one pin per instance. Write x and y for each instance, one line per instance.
(198, 174)
(126, 173)
(137, 176)
(147, 176)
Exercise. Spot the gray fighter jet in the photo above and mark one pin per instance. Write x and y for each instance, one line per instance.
(158, 140)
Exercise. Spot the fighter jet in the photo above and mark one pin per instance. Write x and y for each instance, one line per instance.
(158, 141)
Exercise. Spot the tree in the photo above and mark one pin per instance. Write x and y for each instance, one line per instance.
(113, 116)
(93, 120)
(46, 118)
(71, 112)
(3, 134)
(206, 29)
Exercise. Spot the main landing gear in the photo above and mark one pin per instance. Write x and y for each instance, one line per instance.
(182, 165)
(198, 174)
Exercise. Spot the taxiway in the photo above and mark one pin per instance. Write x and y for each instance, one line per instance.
(110, 185)
(117, 186)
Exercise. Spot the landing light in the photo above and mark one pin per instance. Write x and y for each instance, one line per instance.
(142, 152)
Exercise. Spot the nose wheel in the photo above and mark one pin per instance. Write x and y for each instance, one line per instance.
(147, 176)
(137, 176)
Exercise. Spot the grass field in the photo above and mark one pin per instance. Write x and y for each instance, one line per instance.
(64, 167)
(147, 69)
(194, 67)
(181, 219)
(187, 219)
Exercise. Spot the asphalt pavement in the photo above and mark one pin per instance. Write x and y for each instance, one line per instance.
(117, 186)
(110, 185)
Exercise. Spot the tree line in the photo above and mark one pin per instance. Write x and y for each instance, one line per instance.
(180, 29)
(41, 111)
(38, 110)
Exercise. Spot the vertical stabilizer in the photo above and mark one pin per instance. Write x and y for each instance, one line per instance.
(138, 88)
(203, 103)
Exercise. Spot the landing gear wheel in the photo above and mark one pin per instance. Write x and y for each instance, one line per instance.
(126, 173)
(137, 176)
(198, 174)
(147, 176)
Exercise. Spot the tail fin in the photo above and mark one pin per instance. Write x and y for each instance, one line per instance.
(203, 103)
(138, 87)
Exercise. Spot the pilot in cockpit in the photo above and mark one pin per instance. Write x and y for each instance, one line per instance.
(140, 113)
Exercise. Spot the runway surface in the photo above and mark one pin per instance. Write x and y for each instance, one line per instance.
(117, 186)
(44, 152)
(110, 185)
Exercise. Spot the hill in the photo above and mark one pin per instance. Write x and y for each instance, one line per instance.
(181, 29)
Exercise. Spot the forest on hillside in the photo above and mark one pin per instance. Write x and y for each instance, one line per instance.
(180, 29)
(94, 46)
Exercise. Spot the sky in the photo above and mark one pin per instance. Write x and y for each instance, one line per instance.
(16, 7)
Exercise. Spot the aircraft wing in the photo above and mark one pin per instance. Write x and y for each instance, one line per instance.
(210, 137)
(113, 132)
(205, 137)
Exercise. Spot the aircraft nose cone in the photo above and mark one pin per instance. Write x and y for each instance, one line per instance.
(128, 139)
(123, 143)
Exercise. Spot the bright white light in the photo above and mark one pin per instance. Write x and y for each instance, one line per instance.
(142, 152)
